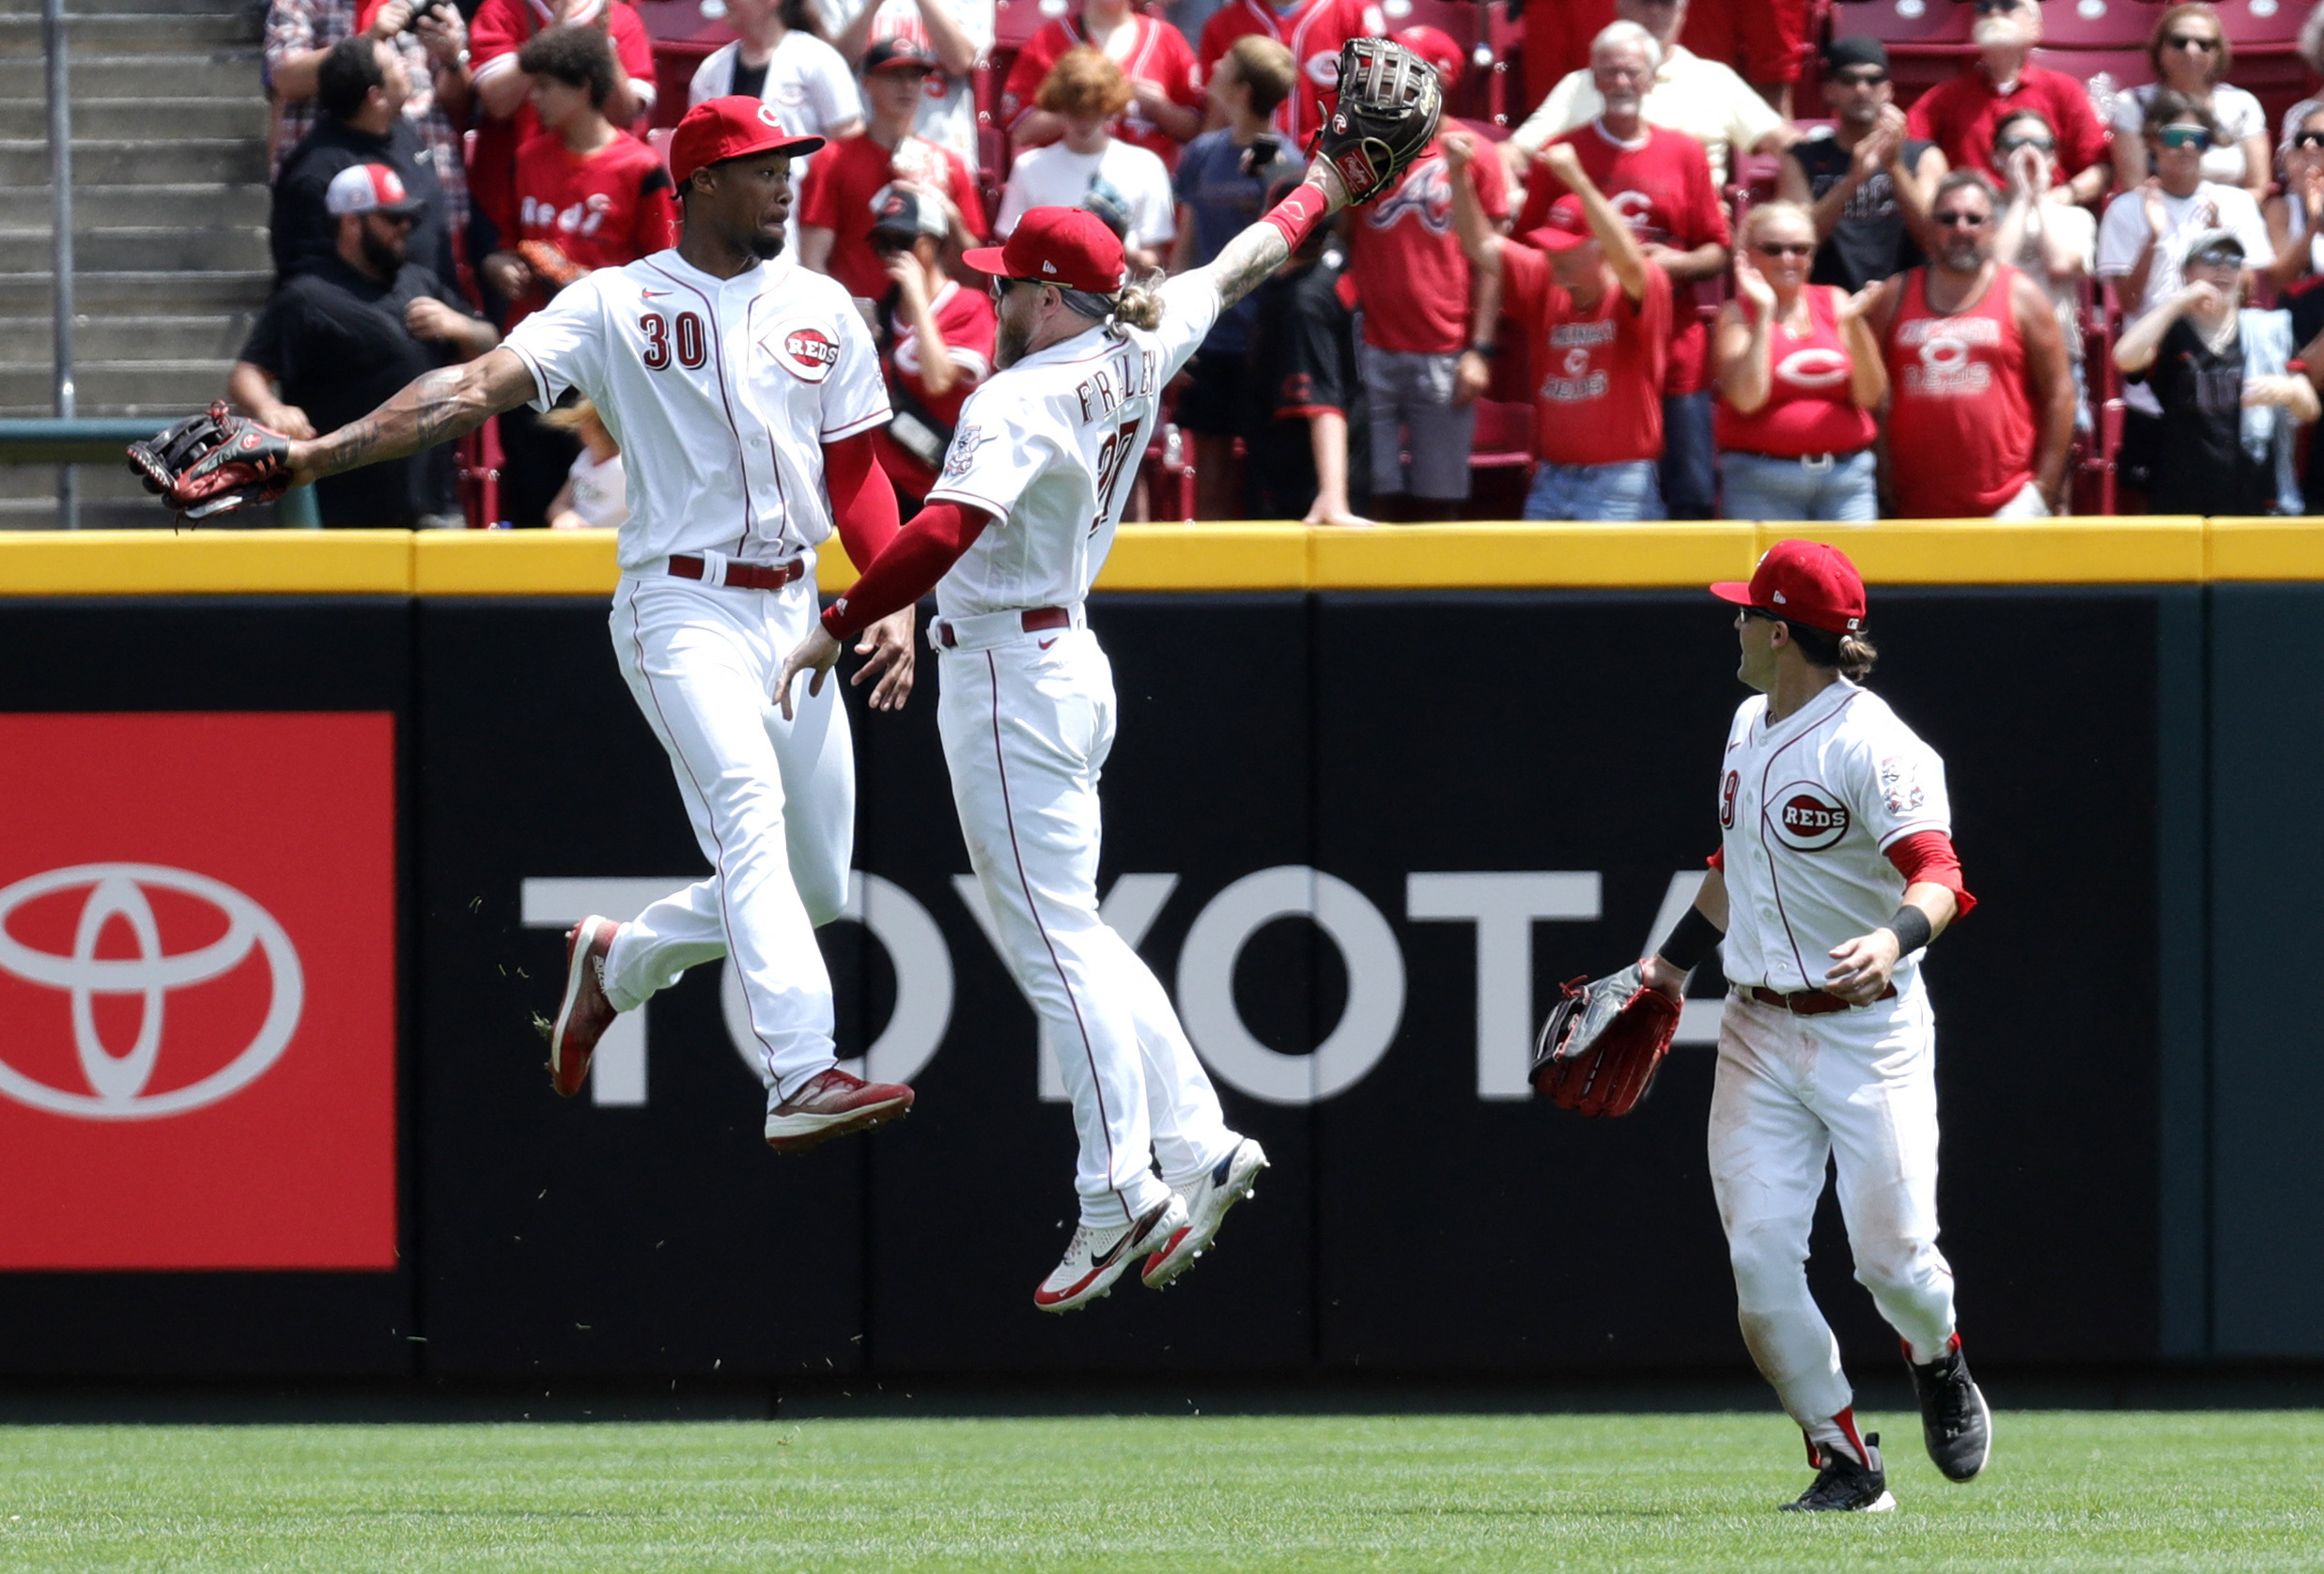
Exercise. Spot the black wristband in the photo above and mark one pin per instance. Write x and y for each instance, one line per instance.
(1694, 939)
(1910, 928)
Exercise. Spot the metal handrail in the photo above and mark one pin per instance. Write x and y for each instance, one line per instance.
(97, 439)
(60, 200)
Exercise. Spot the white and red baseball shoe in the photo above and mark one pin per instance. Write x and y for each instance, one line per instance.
(1217, 1189)
(585, 1013)
(1095, 1258)
(832, 1105)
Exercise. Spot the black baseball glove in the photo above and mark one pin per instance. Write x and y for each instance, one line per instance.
(211, 463)
(1389, 104)
(1602, 1043)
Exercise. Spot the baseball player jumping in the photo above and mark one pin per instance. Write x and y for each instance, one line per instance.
(1014, 534)
(1836, 870)
(744, 392)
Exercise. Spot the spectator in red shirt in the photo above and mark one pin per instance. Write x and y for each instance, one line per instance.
(844, 186)
(588, 195)
(1312, 30)
(1660, 180)
(1981, 406)
(1166, 87)
(1600, 316)
(1422, 314)
(498, 30)
(1960, 116)
(1764, 39)
(1800, 376)
(935, 339)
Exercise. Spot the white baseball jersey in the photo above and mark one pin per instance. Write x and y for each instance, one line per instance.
(1808, 807)
(722, 394)
(1048, 448)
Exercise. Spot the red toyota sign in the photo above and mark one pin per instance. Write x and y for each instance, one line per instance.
(197, 992)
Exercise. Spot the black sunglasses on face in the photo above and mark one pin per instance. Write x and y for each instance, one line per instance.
(1784, 248)
(2009, 145)
(2188, 41)
(1860, 79)
(1761, 614)
(2309, 139)
(1991, 7)
(1958, 220)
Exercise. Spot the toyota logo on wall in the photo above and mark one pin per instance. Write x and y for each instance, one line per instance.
(117, 1082)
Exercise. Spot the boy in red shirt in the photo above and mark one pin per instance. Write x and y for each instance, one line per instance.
(588, 195)
(936, 340)
(1420, 315)
(1600, 313)
(843, 186)
(501, 29)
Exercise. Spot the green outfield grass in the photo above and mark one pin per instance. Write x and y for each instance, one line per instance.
(2112, 1491)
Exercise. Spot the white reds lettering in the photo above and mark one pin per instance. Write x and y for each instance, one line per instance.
(1807, 817)
(1947, 369)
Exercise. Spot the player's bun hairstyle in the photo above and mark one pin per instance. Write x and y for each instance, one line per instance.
(1267, 67)
(1139, 305)
(1084, 81)
(348, 75)
(575, 54)
(1850, 655)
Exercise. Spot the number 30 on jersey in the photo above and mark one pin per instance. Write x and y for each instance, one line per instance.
(663, 336)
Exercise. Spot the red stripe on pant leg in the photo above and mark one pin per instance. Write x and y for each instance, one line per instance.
(1008, 814)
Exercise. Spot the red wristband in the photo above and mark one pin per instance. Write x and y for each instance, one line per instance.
(1296, 217)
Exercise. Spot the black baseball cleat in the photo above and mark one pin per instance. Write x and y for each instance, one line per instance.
(1954, 1420)
(1846, 1486)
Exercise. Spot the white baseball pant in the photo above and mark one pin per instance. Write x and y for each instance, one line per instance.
(1027, 721)
(1859, 1088)
(772, 803)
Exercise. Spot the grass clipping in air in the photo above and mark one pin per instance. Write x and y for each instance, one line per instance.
(2066, 1491)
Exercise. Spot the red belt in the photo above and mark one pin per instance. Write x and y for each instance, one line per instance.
(1033, 622)
(1807, 1002)
(743, 575)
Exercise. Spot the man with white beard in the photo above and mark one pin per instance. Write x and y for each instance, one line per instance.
(1960, 116)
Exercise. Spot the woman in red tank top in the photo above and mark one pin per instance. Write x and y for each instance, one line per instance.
(1982, 405)
(1799, 376)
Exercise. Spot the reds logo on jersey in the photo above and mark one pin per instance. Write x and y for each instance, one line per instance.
(1806, 817)
(805, 350)
(1813, 368)
(1426, 195)
(966, 441)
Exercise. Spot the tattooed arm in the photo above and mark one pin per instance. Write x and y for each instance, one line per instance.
(433, 407)
(1244, 263)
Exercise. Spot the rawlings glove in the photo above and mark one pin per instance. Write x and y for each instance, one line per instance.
(1599, 1049)
(1389, 104)
(551, 266)
(209, 463)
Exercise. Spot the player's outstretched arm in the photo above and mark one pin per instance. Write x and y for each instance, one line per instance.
(436, 407)
(1245, 262)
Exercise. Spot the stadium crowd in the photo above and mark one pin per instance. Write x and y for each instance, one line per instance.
(1653, 294)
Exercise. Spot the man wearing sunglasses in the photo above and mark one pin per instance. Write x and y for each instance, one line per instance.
(348, 332)
(1959, 116)
(1868, 183)
(2142, 242)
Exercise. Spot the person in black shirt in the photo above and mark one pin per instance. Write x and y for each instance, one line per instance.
(346, 333)
(361, 86)
(1307, 445)
(1867, 184)
(2207, 362)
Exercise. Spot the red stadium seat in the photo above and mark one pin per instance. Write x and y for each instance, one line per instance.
(1015, 22)
(1504, 436)
(2099, 25)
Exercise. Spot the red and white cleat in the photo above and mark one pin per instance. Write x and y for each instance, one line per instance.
(585, 1012)
(833, 1104)
(1207, 1201)
(1096, 1259)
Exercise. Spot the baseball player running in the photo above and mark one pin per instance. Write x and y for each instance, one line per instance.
(744, 392)
(1836, 870)
(1014, 531)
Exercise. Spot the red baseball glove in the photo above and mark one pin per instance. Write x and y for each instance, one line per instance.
(1599, 1050)
(214, 462)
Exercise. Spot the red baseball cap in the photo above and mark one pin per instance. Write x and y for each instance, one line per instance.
(1435, 46)
(1567, 226)
(1068, 246)
(1803, 581)
(733, 127)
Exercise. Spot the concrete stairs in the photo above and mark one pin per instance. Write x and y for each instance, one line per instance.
(169, 123)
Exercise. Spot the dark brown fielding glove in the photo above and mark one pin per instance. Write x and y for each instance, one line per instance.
(1599, 1049)
(1388, 108)
(214, 462)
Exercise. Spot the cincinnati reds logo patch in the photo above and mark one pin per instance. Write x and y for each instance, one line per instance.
(966, 441)
(1806, 817)
(804, 349)
(1900, 785)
